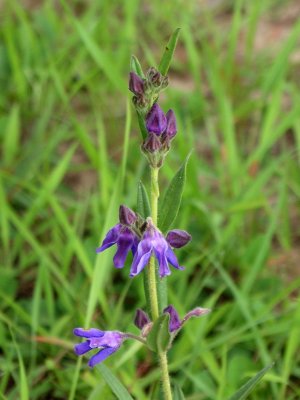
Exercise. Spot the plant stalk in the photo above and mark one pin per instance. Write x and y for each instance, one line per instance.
(152, 282)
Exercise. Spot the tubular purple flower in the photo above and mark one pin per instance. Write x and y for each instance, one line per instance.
(178, 238)
(156, 121)
(125, 240)
(107, 341)
(136, 84)
(171, 128)
(153, 242)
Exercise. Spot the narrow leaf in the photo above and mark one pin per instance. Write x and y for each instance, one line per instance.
(143, 204)
(243, 392)
(113, 382)
(136, 67)
(168, 54)
(172, 198)
(177, 392)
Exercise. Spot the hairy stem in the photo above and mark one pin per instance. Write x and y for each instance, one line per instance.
(152, 282)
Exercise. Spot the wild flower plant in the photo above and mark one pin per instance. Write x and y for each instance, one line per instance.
(145, 233)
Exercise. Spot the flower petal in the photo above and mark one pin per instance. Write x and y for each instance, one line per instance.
(110, 238)
(173, 259)
(101, 356)
(88, 333)
(163, 266)
(124, 243)
(141, 257)
(82, 348)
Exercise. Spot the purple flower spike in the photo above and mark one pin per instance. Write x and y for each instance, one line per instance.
(175, 322)
(107, 341)
(156, 121)
(136, 84)
(125, 240)
(153, 242)
(141, 319)
(178, 238)
(171, 128)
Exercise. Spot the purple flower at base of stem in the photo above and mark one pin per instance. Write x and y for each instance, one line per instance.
(153, 242)
(107, 341)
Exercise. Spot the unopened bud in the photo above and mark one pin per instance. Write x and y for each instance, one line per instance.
(178, 238)
(141, 319)
(136, 84)
(171, 128)
(156, 121)
(126, 216)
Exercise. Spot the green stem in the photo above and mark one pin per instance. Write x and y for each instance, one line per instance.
(152, 282)
(163, 361)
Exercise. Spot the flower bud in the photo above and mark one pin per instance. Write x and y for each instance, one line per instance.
(178, 238)
(156, 121)
(141, 319)
(175, 322)
(171, 128)
(151, 144)
(126, 216)
(136, 84)
(196, 312)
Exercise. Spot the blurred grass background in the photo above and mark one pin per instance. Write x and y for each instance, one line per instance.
(70, 156)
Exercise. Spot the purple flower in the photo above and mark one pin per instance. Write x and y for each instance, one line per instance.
(107, 341)
(156, 121)
(136, 84)
(171, 128)
(178, 238)
(153, 242)
(176, 324)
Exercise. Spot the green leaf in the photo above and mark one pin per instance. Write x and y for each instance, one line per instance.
(168, 54)
(172, 198)
(143, 204)
(243, 392)
(177, 392)
(136, 67)
(113, 382)
(159, 336)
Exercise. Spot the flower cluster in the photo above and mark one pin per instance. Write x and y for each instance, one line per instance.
(143, 239)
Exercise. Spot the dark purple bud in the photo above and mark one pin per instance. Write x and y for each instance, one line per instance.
(178, 238)
(126, 216)
(171, 128)
(196, 312)
(152, 143)
(141, 319)
(156, 121)
(136, 84)
(175, 322)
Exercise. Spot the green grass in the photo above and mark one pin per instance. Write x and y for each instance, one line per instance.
(70, 155)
